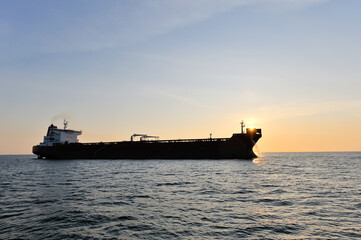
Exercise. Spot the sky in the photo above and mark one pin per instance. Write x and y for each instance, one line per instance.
(182, 69)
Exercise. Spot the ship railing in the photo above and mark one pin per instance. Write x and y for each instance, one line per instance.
(164, 141)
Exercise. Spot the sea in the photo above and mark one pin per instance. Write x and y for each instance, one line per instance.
(276, 196)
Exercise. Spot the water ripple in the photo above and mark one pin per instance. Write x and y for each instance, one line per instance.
(279, 196)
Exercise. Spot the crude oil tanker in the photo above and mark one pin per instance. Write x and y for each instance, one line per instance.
(64, 144)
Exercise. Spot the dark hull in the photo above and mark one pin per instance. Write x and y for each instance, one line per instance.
(239, 146)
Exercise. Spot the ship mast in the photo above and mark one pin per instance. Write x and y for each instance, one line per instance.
(242, 126)
(65, 124)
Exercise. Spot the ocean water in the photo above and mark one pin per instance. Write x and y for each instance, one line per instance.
(277, 196)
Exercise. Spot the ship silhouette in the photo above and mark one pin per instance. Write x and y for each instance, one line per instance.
(63, 144)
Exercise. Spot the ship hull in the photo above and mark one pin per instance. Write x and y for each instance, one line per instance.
(239, 146)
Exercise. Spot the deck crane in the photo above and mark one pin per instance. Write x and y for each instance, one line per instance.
(142, 137)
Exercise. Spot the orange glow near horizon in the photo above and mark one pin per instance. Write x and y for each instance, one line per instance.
(301, 134)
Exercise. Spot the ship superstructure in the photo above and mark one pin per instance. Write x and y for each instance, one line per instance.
(55, 135)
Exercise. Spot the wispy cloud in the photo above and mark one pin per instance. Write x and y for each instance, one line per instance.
(126, 24)
(174, 96)
(299, 109)
(88, 26)
(286, 5)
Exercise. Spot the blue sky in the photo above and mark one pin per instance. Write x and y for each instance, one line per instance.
(182, 69)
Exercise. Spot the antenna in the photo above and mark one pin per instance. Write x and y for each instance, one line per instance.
(242, 126)
(65, 124)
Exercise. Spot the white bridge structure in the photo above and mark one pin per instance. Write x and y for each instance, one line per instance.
(60, 136)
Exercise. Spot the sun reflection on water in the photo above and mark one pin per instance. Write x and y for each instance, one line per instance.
(260, 161)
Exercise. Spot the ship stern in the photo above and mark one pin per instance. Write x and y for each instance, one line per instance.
(37, 151)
